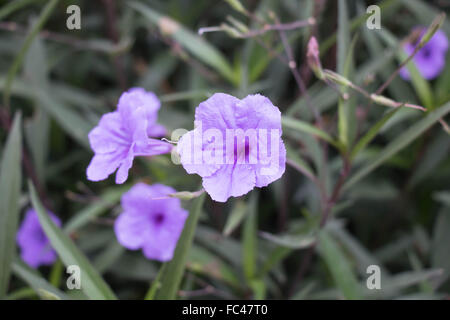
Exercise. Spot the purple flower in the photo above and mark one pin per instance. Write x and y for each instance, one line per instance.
(150, 221)
(430, 60)
(235, 146)
(34, 245)
(124, 134)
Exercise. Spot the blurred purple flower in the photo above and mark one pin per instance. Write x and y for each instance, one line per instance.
(34, 245)
(430, 60)
(242, 161)
(124, 134)
(150, 221)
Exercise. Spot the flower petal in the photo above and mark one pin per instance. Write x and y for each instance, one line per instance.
(440, 41)
(155, 251)
(266, 174)
(217, 112)
(191, 151)
(230, 180)
(161, 243)
(131, 230)
(125, 166)
(257, 112)
(152, 147)
(156, 130)
(103, 164)
(109, 134)
(144, 198)
(138, 99)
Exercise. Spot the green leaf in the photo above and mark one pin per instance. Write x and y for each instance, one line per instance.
(109, 255)
(297, 162)
(237, 5)
(399, 143)
(12, 6)
(196, 45)
(425, 12)
(305, 127)
(21, 293)
(324, 97)
(249, 241)
(10, 183)
(173, 274)
(440, 255)
(275, 256)
(69, 120)
(206, 263)
(47, 295)
(442, 84)
(443, 197)
(355, 23)
(372, 133)
(160, 68)
(107, 199)
(155, 284)
(293, 241)
(437, 153)
(392, 286)
(36, 131)
(91, 282)
(45, 14)
(421, 86)
(347, 108)
(35, 280)
(235, 218)
(56, 273)
(226, 247)
(304, 292)
(187, 95)
(37, 128)
(399, 89)
(56, 104)
(259, 289)
(362, 256)
(339, 266)
(343, 36)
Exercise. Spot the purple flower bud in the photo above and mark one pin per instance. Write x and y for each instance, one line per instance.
(313, 57)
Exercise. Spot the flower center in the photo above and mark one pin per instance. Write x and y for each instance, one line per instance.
(241, 150)
(158, 219)
(426, 52)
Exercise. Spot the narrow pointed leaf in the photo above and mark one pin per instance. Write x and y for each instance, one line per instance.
(293, 241)
(399, 143)
(249, 241)
(91, 282)
(339, 266)
(10, 182)
(45, 14)
(235, 218)
(193, 43)
(372, 133)
(174, 270)
(35, 280)
(305, 127)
